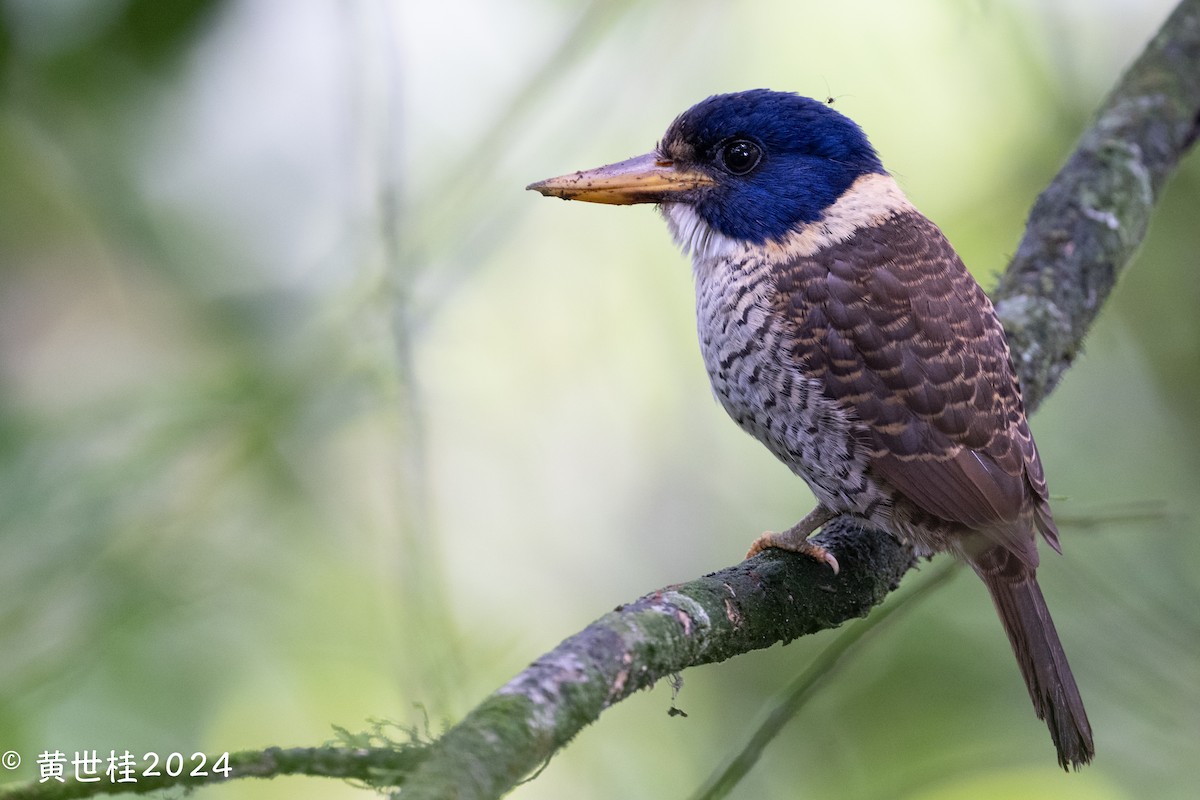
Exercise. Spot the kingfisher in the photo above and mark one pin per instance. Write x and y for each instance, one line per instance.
(839, 327)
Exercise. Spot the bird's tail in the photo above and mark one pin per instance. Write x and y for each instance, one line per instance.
(1018, 599)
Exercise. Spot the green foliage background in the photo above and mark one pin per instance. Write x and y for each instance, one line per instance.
(310, 414)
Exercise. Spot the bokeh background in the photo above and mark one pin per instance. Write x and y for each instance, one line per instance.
(310, 414)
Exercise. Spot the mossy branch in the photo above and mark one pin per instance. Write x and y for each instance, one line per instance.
(1084, 228)
(1082, 233)
(771, 598)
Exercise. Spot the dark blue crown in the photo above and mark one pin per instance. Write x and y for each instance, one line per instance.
(809, 155)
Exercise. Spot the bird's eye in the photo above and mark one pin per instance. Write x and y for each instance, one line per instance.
(740, 156)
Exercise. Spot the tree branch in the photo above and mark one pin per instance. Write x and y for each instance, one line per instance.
(1082, 232)
(773, 597)
(1084, 228)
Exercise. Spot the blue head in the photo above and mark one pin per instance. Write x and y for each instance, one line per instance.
(754, 165)
(777, 160)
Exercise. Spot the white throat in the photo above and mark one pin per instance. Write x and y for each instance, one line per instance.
(694, 236)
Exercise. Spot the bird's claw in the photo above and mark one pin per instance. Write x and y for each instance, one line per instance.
(804, 547)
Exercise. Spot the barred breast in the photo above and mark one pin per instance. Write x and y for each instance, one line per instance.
(747, 351)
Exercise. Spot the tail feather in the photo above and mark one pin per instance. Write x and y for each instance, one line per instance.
(1022, 609)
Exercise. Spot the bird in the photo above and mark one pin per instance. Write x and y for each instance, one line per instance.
(840, 328)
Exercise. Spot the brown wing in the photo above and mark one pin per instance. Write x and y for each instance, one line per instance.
(899, 332)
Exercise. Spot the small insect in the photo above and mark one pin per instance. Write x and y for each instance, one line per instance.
(829, 98)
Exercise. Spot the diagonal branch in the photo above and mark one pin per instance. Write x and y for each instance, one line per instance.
(1084, 228)
(773, 597)
(805, 685)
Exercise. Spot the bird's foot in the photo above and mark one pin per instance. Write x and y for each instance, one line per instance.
(796, 540)
(803, 547)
